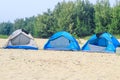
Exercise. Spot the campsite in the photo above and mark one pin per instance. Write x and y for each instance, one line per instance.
(19, 64)
(60, 40)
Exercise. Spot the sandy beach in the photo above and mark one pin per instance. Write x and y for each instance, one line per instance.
(42, 64)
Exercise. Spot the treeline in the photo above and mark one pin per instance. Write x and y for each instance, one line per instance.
(80, 18)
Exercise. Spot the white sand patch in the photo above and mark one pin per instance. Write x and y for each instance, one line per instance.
(57, 65)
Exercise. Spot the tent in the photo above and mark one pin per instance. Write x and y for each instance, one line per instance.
(21, 39)
(101, 42)
(62, 41)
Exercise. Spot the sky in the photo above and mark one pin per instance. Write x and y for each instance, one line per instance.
(15, 9)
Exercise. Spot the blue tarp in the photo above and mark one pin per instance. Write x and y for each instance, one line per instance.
(21, 47)
(62, 41)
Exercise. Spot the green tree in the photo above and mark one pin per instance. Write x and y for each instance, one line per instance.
(6, 28)
(102, 15)
(63, 12)
(19, 24)
(30, 27)
(84, 18)
(115, 19)
(45, 25)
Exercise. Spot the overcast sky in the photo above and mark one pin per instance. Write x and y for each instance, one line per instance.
(12, 9)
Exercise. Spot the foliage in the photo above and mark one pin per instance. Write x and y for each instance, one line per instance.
(80, 18)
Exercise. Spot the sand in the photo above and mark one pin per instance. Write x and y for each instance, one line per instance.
(57, 65)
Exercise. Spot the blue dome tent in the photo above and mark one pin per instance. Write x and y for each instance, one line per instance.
(102, 42)
(62, 41)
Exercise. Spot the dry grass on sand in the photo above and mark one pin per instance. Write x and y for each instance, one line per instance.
(57, 65)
